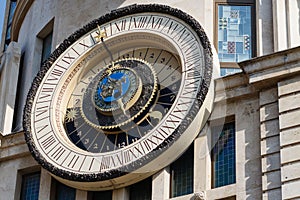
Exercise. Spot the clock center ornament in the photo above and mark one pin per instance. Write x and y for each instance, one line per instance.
(121, 98)
(121, 93)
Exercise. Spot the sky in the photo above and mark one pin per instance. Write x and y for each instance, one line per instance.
(2, 11)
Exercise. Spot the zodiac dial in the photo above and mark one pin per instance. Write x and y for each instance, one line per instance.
(120, 96)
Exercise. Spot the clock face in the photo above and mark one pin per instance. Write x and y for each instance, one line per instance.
(118, 94)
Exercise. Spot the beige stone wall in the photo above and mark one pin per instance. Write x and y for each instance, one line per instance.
(15, 160)
(289, 115)
(277, 78)
(264, 100)
(9, 71)
(270, 147)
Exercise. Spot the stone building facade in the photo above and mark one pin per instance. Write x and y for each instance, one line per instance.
(252, 132)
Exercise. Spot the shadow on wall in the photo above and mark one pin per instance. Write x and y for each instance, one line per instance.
(298, 3)
(248, 131)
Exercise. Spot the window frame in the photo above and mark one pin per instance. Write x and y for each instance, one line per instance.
(171, 192)
(46, 31)
(251, 3)
(146, 183)
(54, 189)
(93, 195)
(8, 24)
(219, 124)
(45, 55)
(23, 176)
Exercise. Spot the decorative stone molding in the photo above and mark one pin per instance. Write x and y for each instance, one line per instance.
(8, 85)
(20, 13)
(266, 71)
(199, 196)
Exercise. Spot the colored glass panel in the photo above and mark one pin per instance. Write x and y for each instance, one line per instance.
(234, 33)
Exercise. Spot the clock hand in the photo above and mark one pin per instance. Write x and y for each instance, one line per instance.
(102, 35)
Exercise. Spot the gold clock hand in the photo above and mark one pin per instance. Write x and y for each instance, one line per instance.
(101, 34)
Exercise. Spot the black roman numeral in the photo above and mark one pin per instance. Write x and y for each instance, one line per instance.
(58, 153)
(85, 46)
(121, 25)
(156, 22)
(140, 22)
(68, 59)
(55, 74)
(172, 27)
(48, 142)
(73, 161)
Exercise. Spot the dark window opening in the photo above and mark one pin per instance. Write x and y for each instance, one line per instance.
(182, 174)
(141, 190)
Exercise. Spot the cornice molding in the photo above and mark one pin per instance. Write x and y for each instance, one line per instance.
(266, 71)
(19, 15)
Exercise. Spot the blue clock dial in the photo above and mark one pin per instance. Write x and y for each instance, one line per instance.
(124, 100)
(113, 87)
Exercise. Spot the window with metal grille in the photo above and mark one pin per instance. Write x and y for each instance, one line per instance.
(223, 156)
(64, 192)
(30, 186)
(182, 174)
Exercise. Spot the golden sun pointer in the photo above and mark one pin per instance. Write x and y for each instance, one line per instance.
(71, 115)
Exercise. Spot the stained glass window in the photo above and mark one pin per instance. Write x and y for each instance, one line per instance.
(30, 186)
(234, 33)
(182, 174)
(223, 156)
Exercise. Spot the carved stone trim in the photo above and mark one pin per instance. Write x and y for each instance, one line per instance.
(20, 13)
(199, 196)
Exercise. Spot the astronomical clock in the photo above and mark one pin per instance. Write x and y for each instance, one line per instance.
(121, 98)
